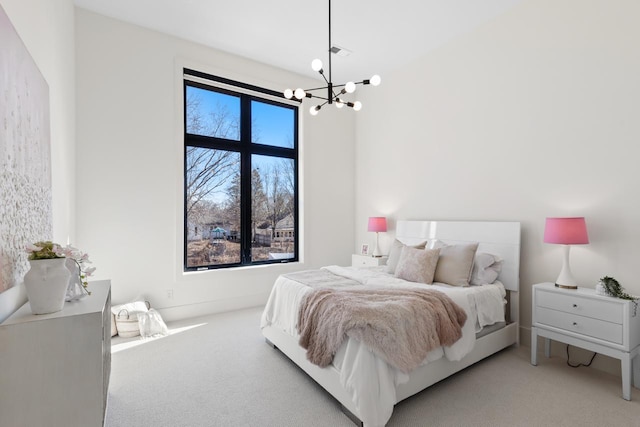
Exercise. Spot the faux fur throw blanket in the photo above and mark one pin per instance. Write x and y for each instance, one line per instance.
(399, 324)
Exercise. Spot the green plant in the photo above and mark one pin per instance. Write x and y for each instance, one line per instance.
(44, 250)
(612, 288)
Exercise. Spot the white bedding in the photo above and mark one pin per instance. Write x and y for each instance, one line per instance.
(370, 380)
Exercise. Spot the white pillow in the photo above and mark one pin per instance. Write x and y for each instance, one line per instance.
(435, 244)
(486, 268)
(395, 251)
(455, 264)
(417, 265)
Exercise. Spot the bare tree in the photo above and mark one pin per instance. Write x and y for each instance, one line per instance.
(218, 122)
(232, 205)
(275, 182)
(208, 170)
(289, 174)
(205, 212)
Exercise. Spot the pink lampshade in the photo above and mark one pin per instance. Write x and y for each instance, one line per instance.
(566, 231)
(377, 224)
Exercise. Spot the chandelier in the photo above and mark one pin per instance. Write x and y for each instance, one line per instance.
(333, 91)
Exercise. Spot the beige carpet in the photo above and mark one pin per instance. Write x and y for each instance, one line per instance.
(218, 371)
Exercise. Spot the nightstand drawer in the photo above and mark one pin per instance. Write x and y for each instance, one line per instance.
(575, 304)
(595, 328)
(583, 318)
(367, 261)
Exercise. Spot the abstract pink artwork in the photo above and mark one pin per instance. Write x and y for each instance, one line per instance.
(25, 155)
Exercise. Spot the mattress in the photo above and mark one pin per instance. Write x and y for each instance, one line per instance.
(371, 381)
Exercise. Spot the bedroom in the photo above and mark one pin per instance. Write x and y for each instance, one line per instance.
(529, 115)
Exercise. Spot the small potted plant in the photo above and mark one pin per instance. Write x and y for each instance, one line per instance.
(611, 287)
(47, 280)
(57, 274)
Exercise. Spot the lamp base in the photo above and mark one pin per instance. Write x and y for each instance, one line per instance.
(566, 280)
(566, 286)
(376, 250)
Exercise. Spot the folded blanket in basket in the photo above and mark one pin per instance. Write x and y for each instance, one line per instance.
(401, 325)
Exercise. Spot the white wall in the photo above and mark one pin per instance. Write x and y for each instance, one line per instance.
(532, 115)
(47, 29)
(129, 206)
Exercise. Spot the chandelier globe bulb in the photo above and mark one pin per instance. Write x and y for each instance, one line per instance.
(299, 93)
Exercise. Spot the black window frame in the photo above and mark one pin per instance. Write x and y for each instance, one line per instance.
(247, 93)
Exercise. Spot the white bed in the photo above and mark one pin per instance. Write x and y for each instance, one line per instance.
(366, 386)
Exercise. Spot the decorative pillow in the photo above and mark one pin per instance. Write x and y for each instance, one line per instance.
(486, 268)
(455, 264)
(395, 251)
(435, 244)
(417, 265)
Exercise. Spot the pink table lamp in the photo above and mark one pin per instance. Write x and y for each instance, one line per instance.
(377, 224)
(566, 231)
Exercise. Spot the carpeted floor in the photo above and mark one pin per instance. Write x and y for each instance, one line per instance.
(218, 371)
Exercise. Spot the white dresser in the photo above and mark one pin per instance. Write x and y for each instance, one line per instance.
(368, 260)
(582, 318)
(54, 368)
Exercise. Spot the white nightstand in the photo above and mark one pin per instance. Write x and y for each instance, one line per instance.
(582, 318)
(367, 260)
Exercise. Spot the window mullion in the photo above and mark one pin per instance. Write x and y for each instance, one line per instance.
(245, 143)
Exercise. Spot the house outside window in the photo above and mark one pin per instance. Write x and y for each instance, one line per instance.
(241, 174)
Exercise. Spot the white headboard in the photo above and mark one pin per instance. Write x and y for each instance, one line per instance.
(498, 238)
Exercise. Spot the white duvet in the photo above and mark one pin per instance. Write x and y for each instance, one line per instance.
(370, 380)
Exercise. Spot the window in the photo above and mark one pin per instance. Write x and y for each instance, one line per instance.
(241, 174)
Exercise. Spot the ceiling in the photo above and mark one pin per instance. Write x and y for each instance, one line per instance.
(289, 34)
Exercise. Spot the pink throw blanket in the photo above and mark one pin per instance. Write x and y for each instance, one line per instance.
(399, 324)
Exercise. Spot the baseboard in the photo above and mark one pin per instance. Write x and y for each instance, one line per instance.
(170, 314)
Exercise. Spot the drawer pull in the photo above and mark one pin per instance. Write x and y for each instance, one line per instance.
(575, 305)
(575, 324)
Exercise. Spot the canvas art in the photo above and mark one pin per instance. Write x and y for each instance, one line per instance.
(25, 155)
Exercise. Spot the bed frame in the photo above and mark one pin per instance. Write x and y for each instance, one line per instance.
(499, 238)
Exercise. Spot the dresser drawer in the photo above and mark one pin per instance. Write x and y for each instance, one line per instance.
(576, 304)
(588, 326)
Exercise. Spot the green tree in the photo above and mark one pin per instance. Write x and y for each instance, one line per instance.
(258, 201)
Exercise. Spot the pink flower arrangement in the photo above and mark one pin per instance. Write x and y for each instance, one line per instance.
(81, 259)
(49, 250)
(44, 250)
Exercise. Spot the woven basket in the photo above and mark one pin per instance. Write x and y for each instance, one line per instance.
(127, 324)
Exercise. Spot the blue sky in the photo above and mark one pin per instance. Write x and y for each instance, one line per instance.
(274, 124)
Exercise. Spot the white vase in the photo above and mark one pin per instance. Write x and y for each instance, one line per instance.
(46, 284)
